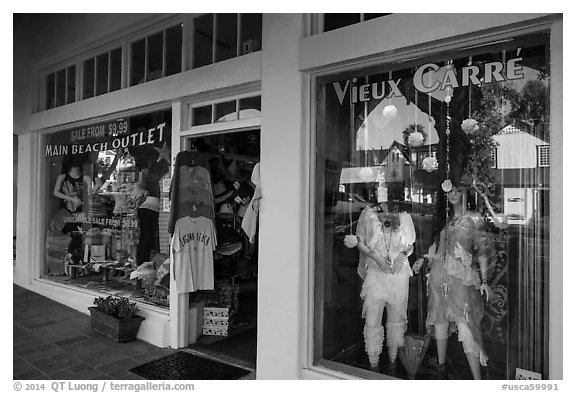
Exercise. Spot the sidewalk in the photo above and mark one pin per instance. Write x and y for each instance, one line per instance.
(52, 341)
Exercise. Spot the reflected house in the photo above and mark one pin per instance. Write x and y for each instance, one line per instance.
(522, 166)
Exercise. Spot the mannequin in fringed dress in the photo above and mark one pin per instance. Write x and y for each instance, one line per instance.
(455, 286)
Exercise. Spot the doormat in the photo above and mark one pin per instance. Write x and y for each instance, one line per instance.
(183, 365)
(238, 346)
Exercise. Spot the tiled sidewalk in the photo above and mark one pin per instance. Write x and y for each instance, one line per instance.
(52, 341)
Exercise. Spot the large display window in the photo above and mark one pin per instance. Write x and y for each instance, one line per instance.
(107, 206)
(432, 206)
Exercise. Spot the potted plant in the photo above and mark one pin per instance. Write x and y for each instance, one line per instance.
(115, 318)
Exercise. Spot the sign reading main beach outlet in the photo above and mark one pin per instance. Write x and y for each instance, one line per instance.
(106, 136)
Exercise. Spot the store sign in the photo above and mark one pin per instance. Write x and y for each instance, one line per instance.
(431, 77)
(106, 136)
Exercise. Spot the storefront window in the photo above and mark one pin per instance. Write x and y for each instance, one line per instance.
(432, 215)
(106, 205)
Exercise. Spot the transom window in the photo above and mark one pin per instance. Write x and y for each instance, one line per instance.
(102, 74)
(61, 87)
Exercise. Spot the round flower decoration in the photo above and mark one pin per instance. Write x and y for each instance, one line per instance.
(447, 99)
(350, 241)
(430, 164)
(447, 185)
(415, 139)
(470, 126)
(389, 112)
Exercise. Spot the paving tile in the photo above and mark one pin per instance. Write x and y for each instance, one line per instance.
(29, 374)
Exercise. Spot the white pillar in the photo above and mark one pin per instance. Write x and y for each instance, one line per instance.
(283, 224)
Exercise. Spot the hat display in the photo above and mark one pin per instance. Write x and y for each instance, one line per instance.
(235, 174)
(221, 192)
(243, 194)
(229, 249)
(242, 210)
(226, 210)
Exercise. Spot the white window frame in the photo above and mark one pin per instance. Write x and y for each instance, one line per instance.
(109, 49)
(318, 24)
(329, 367)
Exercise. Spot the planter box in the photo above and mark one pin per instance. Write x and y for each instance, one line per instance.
(119, 330)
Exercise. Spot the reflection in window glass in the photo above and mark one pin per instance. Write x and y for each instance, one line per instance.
(203, 40)
(103, 205)
(173, 50)
(71, 84)
(88, 78)
(51, 91)
(155, 55)
(102, 74)
(249, 107)
(336, 21)
(226, 44)
(373, 16)
(61, 87)
(115, 69)
(137, 62)
(225, 111)
(250, 33)
(387, 139)
(202, 115)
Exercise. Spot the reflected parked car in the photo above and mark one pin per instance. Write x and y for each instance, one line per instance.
(350, 203)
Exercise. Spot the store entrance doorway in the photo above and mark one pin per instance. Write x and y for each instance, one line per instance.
(229, 312)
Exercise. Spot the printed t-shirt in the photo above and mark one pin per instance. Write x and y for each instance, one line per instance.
(193, 244)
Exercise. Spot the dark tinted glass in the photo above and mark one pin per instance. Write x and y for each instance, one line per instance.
(373, 16)
(226, 43)
(250, 103)
(203, 37)
(102, 74)
(227, 109)
(51, 91)
(88, 82)
(138, 58)
(155, 55)
(336, 21)
(250, 33)
(173, 50)
(115, 69)
(71, 84)
(61, 87)
(202, 115)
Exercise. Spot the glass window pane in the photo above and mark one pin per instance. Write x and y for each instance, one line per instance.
(95, 217)
(373, 16)
(137, 62)
(51, 91)
(336, 21)
(203, 39)
(249, 107)
(155, 55)
(71, 84)
(202, 115)
(251, 33)
(88, 78)
(226, 36)
(174, 50)
(115, 69)
(384, 152)
(102, 74)
(61, 87)
(225, 111)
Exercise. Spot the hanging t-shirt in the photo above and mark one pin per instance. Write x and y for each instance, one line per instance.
(250, 219)
(72, 187)
(193, 194)
(193, 244)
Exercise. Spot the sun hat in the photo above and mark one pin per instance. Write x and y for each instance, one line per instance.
(221, 192)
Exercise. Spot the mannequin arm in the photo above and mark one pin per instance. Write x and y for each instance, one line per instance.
(484, 287)
(363, 248)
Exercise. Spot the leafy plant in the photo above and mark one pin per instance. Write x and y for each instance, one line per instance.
(120, 308)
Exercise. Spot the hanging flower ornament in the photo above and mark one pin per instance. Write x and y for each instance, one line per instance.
(389, 112)
(350, 241)
(447, 185)
(415, 139)
(430, 164)
(470, 126)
